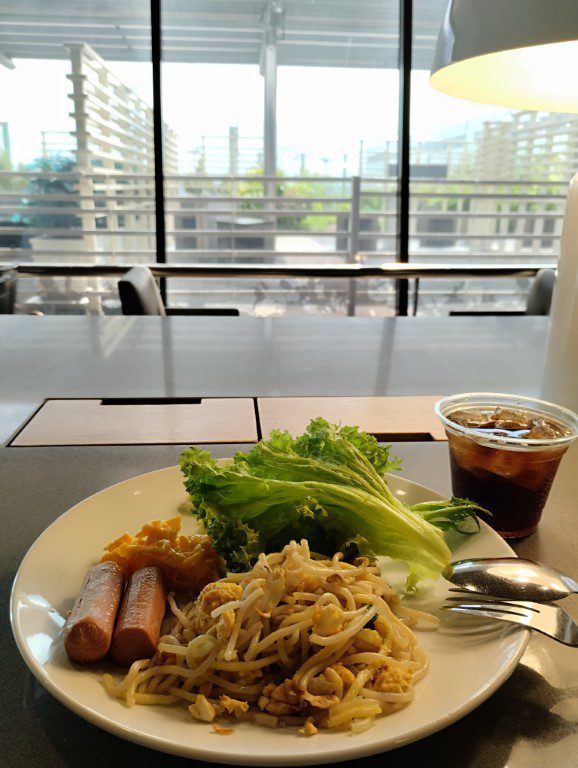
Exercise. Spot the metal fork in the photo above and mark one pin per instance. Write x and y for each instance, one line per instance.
(547, 618)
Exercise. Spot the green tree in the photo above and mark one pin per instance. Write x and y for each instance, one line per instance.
(10, 183)
(48, 186)
(293, 192)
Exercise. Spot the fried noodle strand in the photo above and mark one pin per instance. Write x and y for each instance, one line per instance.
(296, 640)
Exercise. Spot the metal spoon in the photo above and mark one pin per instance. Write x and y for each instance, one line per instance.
(510, 578)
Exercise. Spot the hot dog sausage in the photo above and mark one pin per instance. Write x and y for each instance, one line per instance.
(88, 629)
(138, 625)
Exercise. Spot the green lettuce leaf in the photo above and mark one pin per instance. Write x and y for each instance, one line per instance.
(325, 486)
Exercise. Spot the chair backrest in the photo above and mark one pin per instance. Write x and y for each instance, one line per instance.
(540, 294)
(139, 293)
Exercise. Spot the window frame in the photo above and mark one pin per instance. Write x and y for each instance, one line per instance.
(405, 17)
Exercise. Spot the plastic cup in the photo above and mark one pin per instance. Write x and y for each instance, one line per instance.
(508, 475)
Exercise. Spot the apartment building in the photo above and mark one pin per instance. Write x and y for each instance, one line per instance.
(112, 173)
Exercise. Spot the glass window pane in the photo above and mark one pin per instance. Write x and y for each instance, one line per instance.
(277, 107)
(486, 182)
(76, 154)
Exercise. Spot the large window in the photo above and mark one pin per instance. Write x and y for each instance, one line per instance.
(77, 164)
(281, 109)
(280, 145)
(488, 185)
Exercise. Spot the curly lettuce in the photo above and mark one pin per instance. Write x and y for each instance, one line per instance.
(326, 486)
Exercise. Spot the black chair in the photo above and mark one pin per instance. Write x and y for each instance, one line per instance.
(8, 277)
(140, 295)
(540, 294)
(538, 302)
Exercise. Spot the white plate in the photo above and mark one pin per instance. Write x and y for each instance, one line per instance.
(466, 666)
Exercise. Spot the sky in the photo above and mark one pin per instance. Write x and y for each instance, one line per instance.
(322, 112)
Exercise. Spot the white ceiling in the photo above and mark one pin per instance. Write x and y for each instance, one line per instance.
(338, 33)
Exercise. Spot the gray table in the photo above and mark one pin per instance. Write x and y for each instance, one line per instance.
(119, 356)
(529, 722)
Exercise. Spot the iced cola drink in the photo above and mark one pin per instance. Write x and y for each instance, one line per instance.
(504, 453)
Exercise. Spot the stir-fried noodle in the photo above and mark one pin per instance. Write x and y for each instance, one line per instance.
(296, 640)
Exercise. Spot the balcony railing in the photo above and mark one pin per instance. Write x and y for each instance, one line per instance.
(106, 218)
(311, 284)
(111, 217)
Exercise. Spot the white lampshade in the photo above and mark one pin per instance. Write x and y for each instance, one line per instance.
(521, 54)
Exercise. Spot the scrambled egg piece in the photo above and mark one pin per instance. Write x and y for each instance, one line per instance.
(368, 640)
(234, 706)
(202, 709)
(213, 596)
(220, 730)
(186, 562)
(309, 728)
(392, 680)
(328, 620)
(225, 625)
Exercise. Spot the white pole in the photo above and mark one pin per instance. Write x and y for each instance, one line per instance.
(560, 382)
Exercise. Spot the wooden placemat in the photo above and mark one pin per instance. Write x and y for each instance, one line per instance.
(388, 418)
(121, 422)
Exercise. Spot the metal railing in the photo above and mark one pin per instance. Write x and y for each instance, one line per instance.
(390, 271)
(111, 216)
(279, 227)
(320, 285)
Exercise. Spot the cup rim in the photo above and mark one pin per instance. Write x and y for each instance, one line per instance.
(569, 418)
